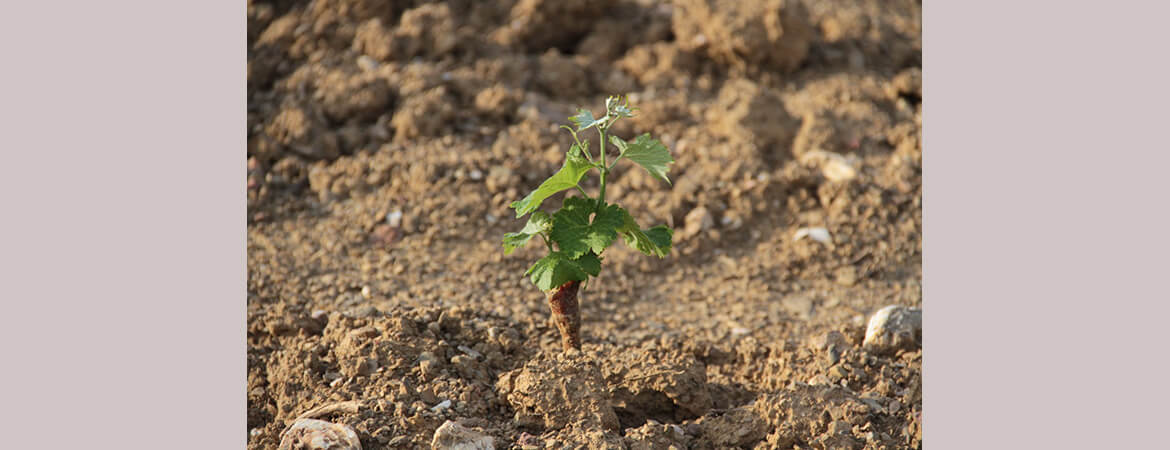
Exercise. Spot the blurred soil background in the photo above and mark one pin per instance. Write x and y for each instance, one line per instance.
(387, 138)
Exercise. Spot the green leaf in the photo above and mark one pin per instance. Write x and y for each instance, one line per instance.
(554, 270)
(570, 174)
(590, 263)
(584, 119)
(539, 222)
(648, 153)
(661, 236)
(655, 241)
(623, 110)
(575, 233)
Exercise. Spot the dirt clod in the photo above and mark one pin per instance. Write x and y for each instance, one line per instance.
(559, 391)
(774, 33)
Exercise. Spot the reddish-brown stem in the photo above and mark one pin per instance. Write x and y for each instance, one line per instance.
(563, 303)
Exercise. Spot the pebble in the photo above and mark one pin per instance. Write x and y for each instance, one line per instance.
(394, 218)
(529, 442)
(313, 434)
(367, 63)
(834, 166)
(819, 234)
(846, 276)
(893, 328)
(452, 436)
(428, 367)
(368, 366)
(469, 351)
(699, 219)
(362, 312)
(442, 405)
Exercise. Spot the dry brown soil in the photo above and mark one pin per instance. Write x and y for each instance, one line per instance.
(387, 138)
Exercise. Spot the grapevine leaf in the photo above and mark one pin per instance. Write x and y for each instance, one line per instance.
(577, 151)
(648, 153)
(661, 236)
(575, 234)
(590, 263)
(554, 270)
(570, 174)
(584, 119)
(655, 241)
(612, 105)
(538, 222)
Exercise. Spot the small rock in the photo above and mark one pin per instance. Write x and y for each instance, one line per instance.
(529, 442)
(847, 276)
(366, 292)
(840, 427)
(894, 328)
(362, 312)
(452, 436)
(313, 434)
(367, 63)
(368, 367)
(442, 405)
(799, 305)
(698, 220)
(470, 352)
(819, 234)
(394, 218)
(834, 166)
(429, 368)
(475, 174)
(508, 338)
(462, 361)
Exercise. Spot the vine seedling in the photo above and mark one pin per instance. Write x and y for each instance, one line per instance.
(578, 234)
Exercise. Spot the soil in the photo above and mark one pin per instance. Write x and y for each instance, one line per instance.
(386, 140)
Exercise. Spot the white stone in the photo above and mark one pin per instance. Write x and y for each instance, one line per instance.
(893, 328)
(394, 218)
(316, 434)
(442, 405)
(819, 234)
(452, 436)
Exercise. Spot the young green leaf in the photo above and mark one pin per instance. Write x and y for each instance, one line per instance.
(655, 241)
(623, 110)
(570, 174)
(584, 119)
(538, 222)
(590, 263)
(648, 153)
(661, 236)
(554, 270)
(575, 234)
